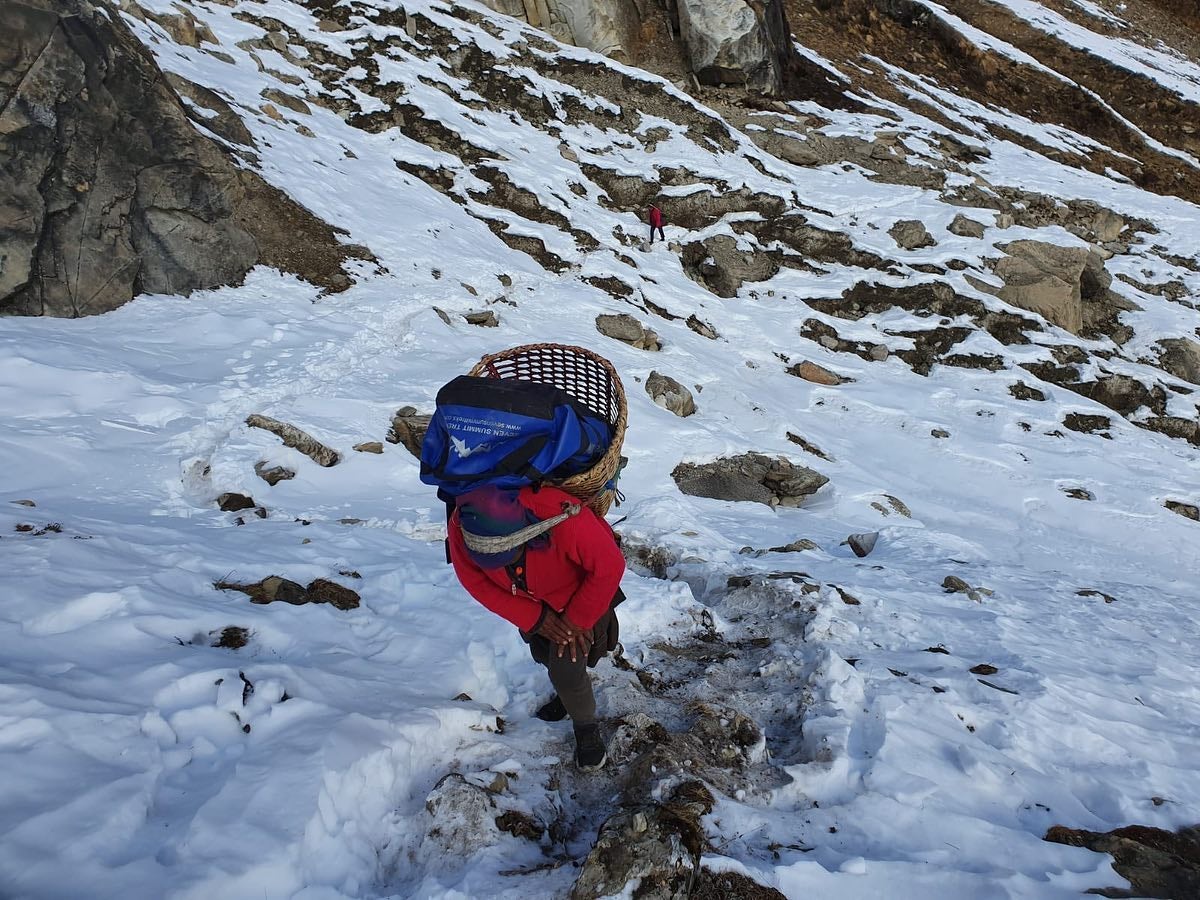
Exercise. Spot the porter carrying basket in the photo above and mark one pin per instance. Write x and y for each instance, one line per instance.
(590, 379)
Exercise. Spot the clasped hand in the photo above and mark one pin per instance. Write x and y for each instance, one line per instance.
(569, 638)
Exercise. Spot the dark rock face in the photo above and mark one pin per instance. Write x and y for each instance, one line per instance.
(107, 190)
(1157, 863)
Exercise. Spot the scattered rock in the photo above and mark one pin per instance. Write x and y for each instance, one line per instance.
(484, 318)
(1022, 391)
(807, 445)
(722, 266)
(287, 101)
(408, 428)
(863, 543)
(275, 587)
(296, 439)
(847, 598)
(233, 637)
(702, 328)
(1088, 424)
(324, 591)
(911, 235)
(1181, 358)
(652, 847)
(1173, 426)
(48, 528)
(710, 885)
(1078, 493)
(984, 669)
(625, 328)
(670, 394)
(1156, 863)
(810, 371)
(274, 474)
(952, 584)
(879, 353)
(28, 503)
(1094, 593)
(898, 505)
(749, 477)
(965, 227)
(231, 502)
(463, 816)
(796, 546)
(518, 824)
(369, 447)
(940, 433)
(1187, 510)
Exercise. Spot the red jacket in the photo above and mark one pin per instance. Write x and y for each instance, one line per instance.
(576, 575)
(655, 217)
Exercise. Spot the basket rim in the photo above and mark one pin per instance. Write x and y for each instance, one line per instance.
(605, 467)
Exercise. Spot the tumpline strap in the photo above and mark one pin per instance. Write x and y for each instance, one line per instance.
(502, 543)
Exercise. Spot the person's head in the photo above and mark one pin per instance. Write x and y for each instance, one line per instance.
(490, 511)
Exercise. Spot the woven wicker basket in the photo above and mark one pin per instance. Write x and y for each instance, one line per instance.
(590, 379)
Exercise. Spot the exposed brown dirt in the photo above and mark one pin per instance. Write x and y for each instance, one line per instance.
(909, 36)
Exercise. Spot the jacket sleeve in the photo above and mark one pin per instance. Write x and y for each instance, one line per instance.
(522, 611)
(588, 542)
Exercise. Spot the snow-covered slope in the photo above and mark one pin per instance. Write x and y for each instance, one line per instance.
(489, 168)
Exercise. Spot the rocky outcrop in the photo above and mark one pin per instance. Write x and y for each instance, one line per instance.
(652, 847)
(610, 27)
(723, 267)
(670, 394)
(736, 42)
(107, 190)
(1156, 863)
(1068, 286)
(751, 476)
(1181, 357)
(1187, 510)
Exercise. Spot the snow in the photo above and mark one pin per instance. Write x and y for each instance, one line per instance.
(134, 760)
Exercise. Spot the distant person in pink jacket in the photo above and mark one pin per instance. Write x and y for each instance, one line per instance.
(656, 222)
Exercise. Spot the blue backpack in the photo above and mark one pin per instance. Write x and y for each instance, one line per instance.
(508, 433)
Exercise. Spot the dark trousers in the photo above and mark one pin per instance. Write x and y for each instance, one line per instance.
(570, 678)
(658, 228)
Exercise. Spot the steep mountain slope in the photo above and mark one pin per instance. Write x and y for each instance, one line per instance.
(1016, 407)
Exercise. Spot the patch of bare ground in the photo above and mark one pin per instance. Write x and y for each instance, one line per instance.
(910, 36)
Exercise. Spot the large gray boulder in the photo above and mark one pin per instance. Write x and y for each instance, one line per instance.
(670, 394)
(1044, 278)
(107, 189)
(911, 234)
(1068, 286)
(736, 42)
(751, 476)
(625, 328)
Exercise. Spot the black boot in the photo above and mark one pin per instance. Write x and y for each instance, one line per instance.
(590, 753)
(552, 710)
